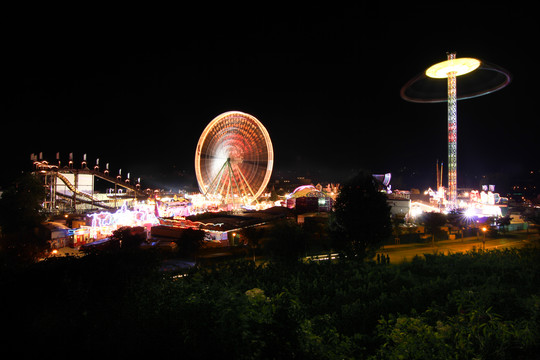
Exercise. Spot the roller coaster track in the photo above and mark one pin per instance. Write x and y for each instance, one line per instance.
(78, 192)
(100, 204)
(106, 177)
(113, 180)
(91, 199)
(78, 196)
(133, 192)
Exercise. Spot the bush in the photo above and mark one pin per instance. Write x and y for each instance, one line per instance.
(476, 305)
(473, 333)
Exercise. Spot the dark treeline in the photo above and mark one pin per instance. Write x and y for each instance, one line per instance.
(463, 306)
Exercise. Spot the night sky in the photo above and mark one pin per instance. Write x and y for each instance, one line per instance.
(136, 88)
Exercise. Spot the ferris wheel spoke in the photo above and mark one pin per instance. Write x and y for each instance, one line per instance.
(218, 176)
(231, 175)
(222, 188)
(245, 181)
(217, 191)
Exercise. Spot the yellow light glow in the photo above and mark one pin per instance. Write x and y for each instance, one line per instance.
(460, 66)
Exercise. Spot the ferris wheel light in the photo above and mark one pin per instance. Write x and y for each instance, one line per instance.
(459, 66)
(234, 158)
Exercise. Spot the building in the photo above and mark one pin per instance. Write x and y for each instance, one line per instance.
(58, 235)
(221, 228)
(399, 206)
(307, 198)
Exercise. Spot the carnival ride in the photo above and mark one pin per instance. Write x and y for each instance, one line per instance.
(73, 189)
(63, 185)
(421, 90)
(234, 159)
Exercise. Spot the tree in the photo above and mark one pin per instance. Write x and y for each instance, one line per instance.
(286, 241)
(504, 222)
(360, 221)
(273, 195)
(532, 215)
(397, 221)
(316, 229)
(20, 216)
(129, 237)
(190, 241)
(253, 234)
(433, 222)
(20, 205)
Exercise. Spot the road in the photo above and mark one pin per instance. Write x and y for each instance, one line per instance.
(405, 252)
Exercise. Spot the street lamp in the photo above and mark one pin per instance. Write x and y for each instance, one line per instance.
(484, 229)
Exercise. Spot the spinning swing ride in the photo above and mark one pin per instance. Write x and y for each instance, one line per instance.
(420, 90)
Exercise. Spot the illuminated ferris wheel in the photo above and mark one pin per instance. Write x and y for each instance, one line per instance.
(234, 158)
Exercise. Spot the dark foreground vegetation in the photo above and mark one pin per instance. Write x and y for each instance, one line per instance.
(463, 306)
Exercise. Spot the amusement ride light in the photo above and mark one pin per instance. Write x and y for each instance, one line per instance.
(450, 70)
(460, 66)
(234, 158)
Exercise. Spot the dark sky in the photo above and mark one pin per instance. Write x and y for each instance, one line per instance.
(136, 87)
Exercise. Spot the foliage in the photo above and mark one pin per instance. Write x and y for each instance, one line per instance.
(20, 205)
(504, 222)
(316, 230)
(129, 237)
(532, 215)
(253, 235)
(433, 221)
(360, 222)
(20, 216)
(21, 249)
(472, 333)
(190, 241)
(122, 239)
(462, 306)
(285, 241)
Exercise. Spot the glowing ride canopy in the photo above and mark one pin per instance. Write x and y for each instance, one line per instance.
(485, 79)
(459, 66)
(234, 158)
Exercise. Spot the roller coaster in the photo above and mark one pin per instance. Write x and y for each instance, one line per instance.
(66, 194)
